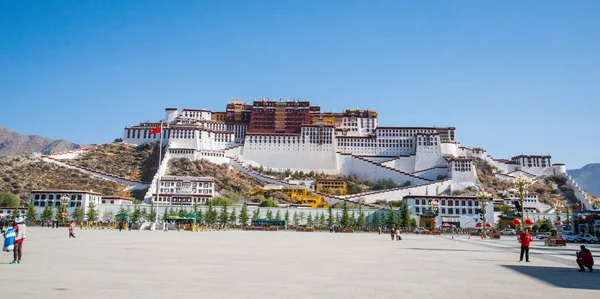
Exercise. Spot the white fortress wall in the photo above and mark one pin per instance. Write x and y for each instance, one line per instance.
(434, 173)
(450, 149)
(398, 194)
(296, 158)
(429, 151)
(402, 163)
(162, 169)
(579, 193)
(353, 165)
(376, 159)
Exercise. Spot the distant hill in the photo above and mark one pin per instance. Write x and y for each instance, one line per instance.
(12, 143)
(588, 177)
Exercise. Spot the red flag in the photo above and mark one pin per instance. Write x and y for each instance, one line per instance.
(156, 130)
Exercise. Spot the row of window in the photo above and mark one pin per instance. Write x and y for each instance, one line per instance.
(443, 202)
(71, 204)
(191, 191)
(185, 184)
(57, 196)
(456, 211)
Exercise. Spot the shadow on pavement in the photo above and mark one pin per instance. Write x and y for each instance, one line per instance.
(448, 249)
(560, 277)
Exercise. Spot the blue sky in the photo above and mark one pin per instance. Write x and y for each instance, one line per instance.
(512, 76)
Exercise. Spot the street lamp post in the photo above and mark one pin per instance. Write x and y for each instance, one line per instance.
(522, 183)
(434, 206)
(483, 198)
(64, 200)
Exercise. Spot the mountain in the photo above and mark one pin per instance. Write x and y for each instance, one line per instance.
(588, 177)
(12, 143)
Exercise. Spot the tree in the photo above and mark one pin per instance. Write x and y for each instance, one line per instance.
(224, 216)
(256, 214)
(121, 211)
(353, 222)
(360, 222)
(309, 220)
(413, 222)
(9, 200)
(322, 220)
(287, 217)
(200, 216)
(166, 214)
(376, 222)
(391, 219)
(136, 215)
(269, 214)
(269, 203)
(92, 214)
(296, 219)
(278, 214)
(47, 213)
(182, 212)
(220, 201)
(345, 221)
(244, 215)
(211, 214)
(405, 216)
(78, 214)
(233, 217)
(31, 216)
(338, 220)
(152, 214)
(301, 215)
(330, 219)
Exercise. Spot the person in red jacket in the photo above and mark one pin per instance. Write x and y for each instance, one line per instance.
(525, 240)
(585, 258)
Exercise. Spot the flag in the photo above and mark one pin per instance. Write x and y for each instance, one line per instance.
(156, 130)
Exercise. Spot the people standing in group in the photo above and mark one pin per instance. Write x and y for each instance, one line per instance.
(585, 259)
(525, 240)
(72, 229)
(20, 235)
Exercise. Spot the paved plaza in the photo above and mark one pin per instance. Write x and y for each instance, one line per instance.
(236, 264)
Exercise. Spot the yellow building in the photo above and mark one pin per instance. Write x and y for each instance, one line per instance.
(218, 116)
(297, 195)
(332, 186)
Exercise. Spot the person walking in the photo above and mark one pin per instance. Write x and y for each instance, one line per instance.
(121, 225)
(585, 259)
(20, 235)
(72, 230)
(393, 233)
(166, 226)
(525, 240)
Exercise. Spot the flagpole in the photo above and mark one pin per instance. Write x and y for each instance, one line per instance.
(158, 172)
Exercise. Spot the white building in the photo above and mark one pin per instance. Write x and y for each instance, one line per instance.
(8, 213)
(531, 202)
(282, 135)
(185, 190)
(460, 211)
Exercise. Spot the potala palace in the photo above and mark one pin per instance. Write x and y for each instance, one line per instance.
(297, 136)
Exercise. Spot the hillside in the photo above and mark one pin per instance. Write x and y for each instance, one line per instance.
(588, 177)
(13, 143)
(226, 178)
(121, 160)
(20, 175)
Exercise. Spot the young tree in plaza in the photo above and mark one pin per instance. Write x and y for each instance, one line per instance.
(136, 215)
(338, 219)
(296, 219)
(211, 214)
(201, 216)
(78, 214)
(31, 216)
(330, 218)
(152, 213)
(256, 214)
(376, 222)
(278, 214)
(224, 216)
(405, 214)
(391, 218)
(287, 216)
(244, 217)
(309, 220)
(361, 222)
(301, 216)
(182, 212)
(47, 213)
(166, 214)
(233, 217)
(345, 221)
(92, 214)
(322, 221)
(269, 214)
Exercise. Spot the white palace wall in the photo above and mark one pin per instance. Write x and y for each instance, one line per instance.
(302, 157)
(403, 163)
(398, 194)
(353, 165)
